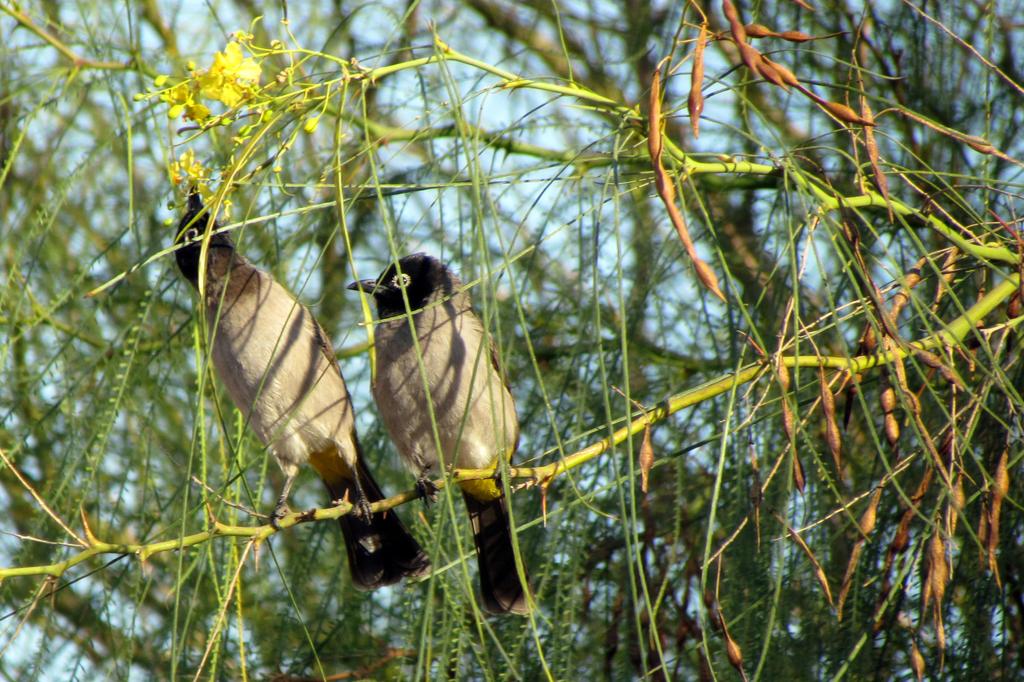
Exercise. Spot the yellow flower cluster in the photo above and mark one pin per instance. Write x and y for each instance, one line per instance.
(231, 79)
(187, 169)
(182, 100)
(193, 175)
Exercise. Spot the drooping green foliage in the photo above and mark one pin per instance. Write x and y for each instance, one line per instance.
(815, 476)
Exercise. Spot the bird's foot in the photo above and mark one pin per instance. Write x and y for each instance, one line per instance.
(426, 488)
(281, 510)
(362, 509)
(360, 505)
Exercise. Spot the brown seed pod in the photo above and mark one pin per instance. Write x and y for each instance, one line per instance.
(788, 420)
(707, 276)
(1013, 307)
(938, 571)
(851, 569)
(870, 515)
(928, 359)
(667, 191)
(828, 409)
(759, 31)
(983, 535)
(732, 649)
(795, 36)
(750, 56)
(892, 430)
(844, 113)
(916, 662)
(979, 144)
(788, 77)
(901, 539)
(783, 372)
(739, 33)
(646, 458)
(881, 179)
(1000, 487)
(767, 69)
(695, 102)
(799, 480)
(888, 399)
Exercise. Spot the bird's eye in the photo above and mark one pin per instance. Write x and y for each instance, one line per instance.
(401, 280)
(191, 234)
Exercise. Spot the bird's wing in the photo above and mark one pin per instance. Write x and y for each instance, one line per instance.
(325, 343)
(500, 371)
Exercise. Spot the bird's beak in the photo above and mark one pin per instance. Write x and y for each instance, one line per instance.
(364, 285)
(195, 200)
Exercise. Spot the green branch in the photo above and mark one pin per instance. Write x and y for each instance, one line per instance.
(952, 334)
(76, 61)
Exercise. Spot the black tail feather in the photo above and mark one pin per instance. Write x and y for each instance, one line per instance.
(382, 551)
(500, 587)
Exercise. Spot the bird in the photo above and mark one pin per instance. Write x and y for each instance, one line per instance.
(469, 401)
(281, 372)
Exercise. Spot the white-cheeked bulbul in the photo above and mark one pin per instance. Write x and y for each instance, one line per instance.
(469, 401)
(280, 370)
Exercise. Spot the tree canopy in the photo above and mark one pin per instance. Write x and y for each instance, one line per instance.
(753, 270)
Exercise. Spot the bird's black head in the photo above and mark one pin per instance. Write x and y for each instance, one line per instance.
(190, 232)
(424, 279)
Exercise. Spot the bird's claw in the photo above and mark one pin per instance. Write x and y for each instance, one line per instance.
(362, 510)
(360, 507)
(426, 488)
(281, 510)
